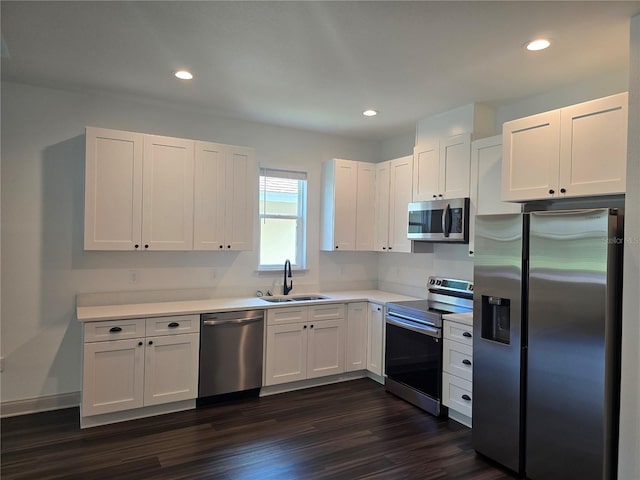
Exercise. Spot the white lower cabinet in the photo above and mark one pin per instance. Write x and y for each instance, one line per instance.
(129, 364)
(457, 366)
(375, 336)
(169, 372)
(304, 342)
(356, 344)
(113, 376)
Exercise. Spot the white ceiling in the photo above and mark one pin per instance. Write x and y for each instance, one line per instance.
(316, 65)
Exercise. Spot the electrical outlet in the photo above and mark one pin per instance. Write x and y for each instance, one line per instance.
(133, 277)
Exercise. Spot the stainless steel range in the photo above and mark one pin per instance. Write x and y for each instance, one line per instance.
(413, 345)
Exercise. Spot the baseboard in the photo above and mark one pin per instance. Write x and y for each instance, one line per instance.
(315, 382)
(40, 404)
(460, 418)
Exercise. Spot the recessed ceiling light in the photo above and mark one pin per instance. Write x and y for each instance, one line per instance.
(538, 44)
(370, 113)
(183, 75)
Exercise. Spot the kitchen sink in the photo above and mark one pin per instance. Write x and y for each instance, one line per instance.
(293, 298)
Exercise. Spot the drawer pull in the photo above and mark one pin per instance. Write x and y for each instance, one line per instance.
(466, 362)
(466, 334)
(115, 329)
(466, 397)
(173, 325)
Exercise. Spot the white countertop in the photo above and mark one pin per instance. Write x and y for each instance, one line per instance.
(466, 318)
(186, 307)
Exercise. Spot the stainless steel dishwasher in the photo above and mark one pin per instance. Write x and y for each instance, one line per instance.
(230, 352)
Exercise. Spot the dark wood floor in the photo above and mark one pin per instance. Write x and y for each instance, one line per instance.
(349, 430)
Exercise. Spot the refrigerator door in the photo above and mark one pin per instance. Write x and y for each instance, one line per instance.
(573, 353)
(497, 341)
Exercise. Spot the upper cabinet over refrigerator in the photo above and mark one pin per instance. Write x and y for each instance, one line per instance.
(575, 151)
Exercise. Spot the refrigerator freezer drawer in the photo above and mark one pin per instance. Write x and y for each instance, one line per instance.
(457, 359)
(457, 394)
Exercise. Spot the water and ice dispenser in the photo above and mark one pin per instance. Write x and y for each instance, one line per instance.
(496, 321)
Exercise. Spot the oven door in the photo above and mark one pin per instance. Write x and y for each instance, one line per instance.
(413, 355)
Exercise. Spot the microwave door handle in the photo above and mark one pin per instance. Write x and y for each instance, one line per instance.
(446, 221)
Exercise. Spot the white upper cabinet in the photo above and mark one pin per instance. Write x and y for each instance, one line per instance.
(393, 194)
(365, 204)
(486, 168)
(426, 172)
(225, 186)
(531, 157)
(139, 191)
(347, 205)
(441, 170)
(381, 227)
(400, 180)
(113, 190)
(569, 152)
(147, 192)
(593, 147)
(167, 193)
(455, 166)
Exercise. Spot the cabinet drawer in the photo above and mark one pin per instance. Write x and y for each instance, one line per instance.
(457, 359)
(114, 330)
(280, 316)
(326, 312)
(458, 332)
(457, 394)
(172, 325)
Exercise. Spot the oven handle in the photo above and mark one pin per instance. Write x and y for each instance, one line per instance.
(423, 329)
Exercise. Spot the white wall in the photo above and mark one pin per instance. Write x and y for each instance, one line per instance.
(43, 262)
(588, 89)
(396, 147)
(629, 460)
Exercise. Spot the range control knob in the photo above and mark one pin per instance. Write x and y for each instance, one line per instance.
(431, 281)
(438, 282)
(471, 287)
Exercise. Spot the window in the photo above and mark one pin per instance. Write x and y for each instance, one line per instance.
(283, 215)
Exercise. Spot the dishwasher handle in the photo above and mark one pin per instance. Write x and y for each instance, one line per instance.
(232, 321)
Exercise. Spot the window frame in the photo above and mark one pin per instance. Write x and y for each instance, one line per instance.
(299, 263)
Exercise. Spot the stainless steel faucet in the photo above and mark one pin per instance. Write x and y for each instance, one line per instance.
(287, 288)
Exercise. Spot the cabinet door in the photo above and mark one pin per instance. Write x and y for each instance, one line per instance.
(171, 368)
(375, 330)
(365, 204)
(325, 348)
(400, 196)
(112, 376)
(486, 177)
(455, 165)
(426, 172)
(113, 190)
(345, 196)
(286, 353)
(531, 157)
(242, 187)
(593, 147)
(381, 228)
(210, 195)
(167, 196)
(356, 343)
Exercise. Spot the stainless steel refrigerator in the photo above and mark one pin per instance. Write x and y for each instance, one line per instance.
(546, 330)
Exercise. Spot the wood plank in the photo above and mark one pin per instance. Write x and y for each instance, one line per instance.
(350, 430)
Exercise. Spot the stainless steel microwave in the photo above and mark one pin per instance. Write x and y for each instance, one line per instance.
(439, 221)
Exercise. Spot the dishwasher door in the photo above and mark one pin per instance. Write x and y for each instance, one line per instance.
(231, 346)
